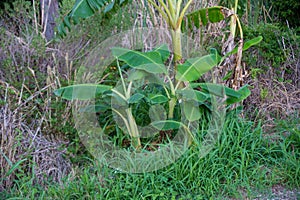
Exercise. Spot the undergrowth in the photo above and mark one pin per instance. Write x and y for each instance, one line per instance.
(243, 161)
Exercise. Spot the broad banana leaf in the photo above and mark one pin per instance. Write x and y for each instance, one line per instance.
(136, 98)
(164, 52)
(191, 110)
(84, 9)
(189, 94)
(244, 91)
(157, 98)
(141, 75)
(216, 89)
(81, 91)
(192, 69)
(166, 125)
(233, 96)
(150, 61)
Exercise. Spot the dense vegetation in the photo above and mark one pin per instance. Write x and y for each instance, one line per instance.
(41, 154)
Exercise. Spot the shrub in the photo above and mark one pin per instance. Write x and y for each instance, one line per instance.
(271, 52)
(287, 10)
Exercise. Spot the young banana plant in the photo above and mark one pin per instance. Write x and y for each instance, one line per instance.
(174, 13)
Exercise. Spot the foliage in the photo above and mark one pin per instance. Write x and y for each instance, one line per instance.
(66, 6)
(84, 9)
(287, 10)
(243, 164)
(271, 51)
(242, 6)
(290, 131)
(22, 49)
(153, 63)
(150, 63)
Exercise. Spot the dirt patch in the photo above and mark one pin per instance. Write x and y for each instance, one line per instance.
(279, 192)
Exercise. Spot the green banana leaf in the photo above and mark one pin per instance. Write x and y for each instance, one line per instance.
(139, 75)
(193, 68)
(81, 91)
(191, 110)
(216, 89)
(246, 45)
(150, 61)
(233, 96)
(164, 52)
(157, 98)
(136, 98)
(244, 91)
(166, 125)
(189, 94)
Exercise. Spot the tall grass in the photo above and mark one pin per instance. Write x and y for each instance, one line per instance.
(243, 163)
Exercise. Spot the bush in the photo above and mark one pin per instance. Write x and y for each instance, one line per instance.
(276, 52)
(287, 10)
(270, 48)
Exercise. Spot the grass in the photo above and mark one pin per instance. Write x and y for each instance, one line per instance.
(243, 162)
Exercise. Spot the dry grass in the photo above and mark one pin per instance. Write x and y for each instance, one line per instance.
(281, 100)
(273, 100)
(276, 96)
(23, 138)
(30, 71)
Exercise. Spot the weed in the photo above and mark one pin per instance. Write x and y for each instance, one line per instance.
(242, 161)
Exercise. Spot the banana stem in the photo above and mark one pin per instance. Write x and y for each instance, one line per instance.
(172, 104)
(130, 122)
(135, 136)
(176, 42)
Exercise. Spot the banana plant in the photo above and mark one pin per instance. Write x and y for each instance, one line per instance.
(152, 64)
